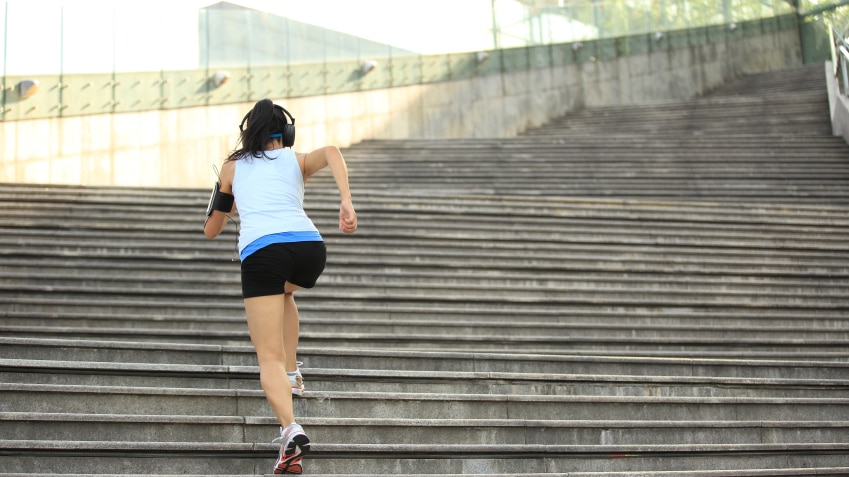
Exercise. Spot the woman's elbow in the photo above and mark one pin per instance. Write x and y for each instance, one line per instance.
(331, 152)
(209, 232)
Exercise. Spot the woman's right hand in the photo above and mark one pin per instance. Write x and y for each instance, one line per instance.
(347, 217)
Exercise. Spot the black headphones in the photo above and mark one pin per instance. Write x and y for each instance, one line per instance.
(288, 135)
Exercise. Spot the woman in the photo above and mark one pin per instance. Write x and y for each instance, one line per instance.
(280, 249)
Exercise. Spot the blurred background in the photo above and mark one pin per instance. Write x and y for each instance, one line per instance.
(92, 89)
(88, 36)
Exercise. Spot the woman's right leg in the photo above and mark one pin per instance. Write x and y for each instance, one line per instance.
(291, 331)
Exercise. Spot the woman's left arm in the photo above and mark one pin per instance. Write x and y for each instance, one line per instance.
(216, 222)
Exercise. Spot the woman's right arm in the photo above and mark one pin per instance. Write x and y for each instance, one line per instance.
(331, 156)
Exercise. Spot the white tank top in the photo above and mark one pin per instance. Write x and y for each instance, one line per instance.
(270, 196)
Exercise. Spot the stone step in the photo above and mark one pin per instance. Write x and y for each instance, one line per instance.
(689, 256)
(396, 224)
(578, 148)
(740, 364)
(183, 216)
(636, 296)
(774, 290)
(50, 398)
(358, 431)
(581, 160)
(719, 122)
(644, 268)
(725, 142)
(700, 116)
(572, 341)
(806, 107)
(599, 187)
(806, 471)
(317, 316)
(637, 254)
(588, 345)
(749, 179)
(787, 352)
(113, 275)
(346, 459)
(437, 324)
(109, 374)
(161, 209)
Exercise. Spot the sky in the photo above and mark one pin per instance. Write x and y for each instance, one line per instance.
(79, 36)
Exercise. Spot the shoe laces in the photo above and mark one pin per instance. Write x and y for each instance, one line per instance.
(284, 436)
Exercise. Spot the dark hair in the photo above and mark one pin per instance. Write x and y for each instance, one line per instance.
(263, 120)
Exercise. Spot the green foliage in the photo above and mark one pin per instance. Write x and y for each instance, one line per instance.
(616, 18)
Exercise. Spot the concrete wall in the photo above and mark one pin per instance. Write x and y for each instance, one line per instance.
(177, 148)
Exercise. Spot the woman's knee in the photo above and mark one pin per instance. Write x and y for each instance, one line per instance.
(268, 358)
(271, 368)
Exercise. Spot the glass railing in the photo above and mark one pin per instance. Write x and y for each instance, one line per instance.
(114, 37)
(97, 57)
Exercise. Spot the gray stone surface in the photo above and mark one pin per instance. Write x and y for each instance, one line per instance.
(652, 290)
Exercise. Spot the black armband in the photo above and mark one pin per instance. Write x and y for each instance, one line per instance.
(219, 201)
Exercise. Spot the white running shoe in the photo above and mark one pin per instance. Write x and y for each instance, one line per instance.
(293, 445)
(297, 381)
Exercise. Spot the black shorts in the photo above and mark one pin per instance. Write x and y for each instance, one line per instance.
(265, 271)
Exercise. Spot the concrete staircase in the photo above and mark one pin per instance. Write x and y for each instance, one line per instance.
(653, 290)
(739, 144)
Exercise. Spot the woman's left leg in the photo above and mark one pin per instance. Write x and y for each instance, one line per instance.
(265, 324)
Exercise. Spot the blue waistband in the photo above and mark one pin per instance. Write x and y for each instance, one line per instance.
(282, 237)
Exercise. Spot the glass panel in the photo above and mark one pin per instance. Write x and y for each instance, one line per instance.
(97, 37)
(3, 8)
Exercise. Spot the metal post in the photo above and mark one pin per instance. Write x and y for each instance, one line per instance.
(494, 27)
(597, 20)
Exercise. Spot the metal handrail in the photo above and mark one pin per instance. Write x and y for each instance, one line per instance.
(840, 58)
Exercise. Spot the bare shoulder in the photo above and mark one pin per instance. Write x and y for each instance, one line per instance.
(302, 156)
(228, 171)
(229, 168)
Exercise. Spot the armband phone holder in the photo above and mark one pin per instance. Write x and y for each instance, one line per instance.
(220, 201)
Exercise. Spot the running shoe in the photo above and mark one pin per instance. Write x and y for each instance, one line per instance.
(297, 381)
(293, 445)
